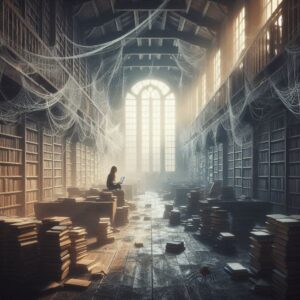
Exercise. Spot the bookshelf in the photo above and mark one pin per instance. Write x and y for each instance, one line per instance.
(293, 179)
(88, 167)
(230, 163)
(78, 171)
(277, 159)
(262, 165)
(238, 185)
(210, 165)
(247, 165)
(11, 178)
(32, 159)
(68, 163)
(83, 165)
(220, 161)
(47, 142)
(216, 162)
(93, 167)
(58, 166)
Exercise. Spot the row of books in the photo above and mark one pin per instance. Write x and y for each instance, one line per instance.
(277, 170)
(294, 156)
(294, 185)
(8, 200)
(277, 135)
(47, 148)
(48, 173)
(31, 170)
(31, 184)
(263, 156)
(31, 157)
(294, 143)
(10, 142)
(294, 170)
(10, 156)
(32, 196)
(9, 129)
(31, 136)
(32, 148)
(57, 164)
(10, 185)
(57, 149)
(279, 157)
(10, 170)
(48, 155)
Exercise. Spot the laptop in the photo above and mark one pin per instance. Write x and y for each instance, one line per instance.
(122, 179)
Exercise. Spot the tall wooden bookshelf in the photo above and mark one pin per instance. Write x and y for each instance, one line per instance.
(32, 159)
(88, 167)
(210, 165)
(58, 166)
(83, 165)
(238, 183)
(68, 164)
(47, 141)
(230, 164)
(11, 169)
(78, 171)
(277, 160)
(293, 167)
(247, 165)
(216, 162)
(220, 162)
(262, 163)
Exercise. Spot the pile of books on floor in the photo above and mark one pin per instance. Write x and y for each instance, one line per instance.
(55, 252)
(286, 259)
(174, 217)
(219, 221)
(271, 223)
(236, 271)
(120, 197)
(105, 232)
(175, 247)
(226, 242)
(260, 252)
(121, 216)
(49, 222)
(20, 255)
(168, 209)
(205, 217)
(193, 202)
(78, 249)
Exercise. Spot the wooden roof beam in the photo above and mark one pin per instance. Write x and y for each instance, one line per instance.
(145, 62)
(142, 5)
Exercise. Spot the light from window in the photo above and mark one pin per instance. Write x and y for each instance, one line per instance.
(239, 34)
(217, 70)
(269, 7)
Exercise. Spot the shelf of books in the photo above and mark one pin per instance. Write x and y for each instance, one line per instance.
(247, 167)
(88, 167)
(238, 184)
(262, 164)
(47, 190)
(78, 164)
(83, 165)
(216, 162)
(230, 163)
(220, 162)
(58, 187)
(93, 167)
(277, 159)
(68, 163)
(294, 167)
(11, 183)
(210, 165)
(32, 158)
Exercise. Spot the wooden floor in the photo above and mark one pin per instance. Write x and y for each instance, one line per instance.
(150, 273)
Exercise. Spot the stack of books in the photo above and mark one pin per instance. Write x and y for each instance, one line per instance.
(236, 271)
(219, 221)
(193, 202)
(205, 217)
(174, 217)
(121, 217)
(168, 208)
(21, 251)
(55, 251)
(286, 259)
(271, 222)
(78, 248)
(175, 247)
(49, 222)
(260, 252)
(120, 197)
(105, 232)
(226, 242)
(106, 196)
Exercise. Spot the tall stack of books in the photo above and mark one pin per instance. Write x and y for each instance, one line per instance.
(120, 197)
(105, 232)
(121, 217)
(286, 259)
(219, 221)
(55, 250)
(260, 252)
(78, 248)
(226, 242)
(271, 222)
(205, 216)
(174, 217)
(21, 251)
(193, 202)
(49, 222)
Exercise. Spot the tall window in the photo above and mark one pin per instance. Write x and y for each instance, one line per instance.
(269, 7)
(217, 70)
(150, 120)
(239, 34)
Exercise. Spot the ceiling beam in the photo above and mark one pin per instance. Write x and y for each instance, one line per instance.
(145, 62)
(198, 20)
(157, 34)
(100, 21)
(130, 5)
(167, 50)
(228, 3)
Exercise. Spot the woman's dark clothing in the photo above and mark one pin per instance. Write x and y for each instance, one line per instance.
(111, 185)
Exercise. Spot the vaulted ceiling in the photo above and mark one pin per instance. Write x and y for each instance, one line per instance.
(196, 22)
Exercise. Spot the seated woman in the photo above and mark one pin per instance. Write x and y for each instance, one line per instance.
(111, 180)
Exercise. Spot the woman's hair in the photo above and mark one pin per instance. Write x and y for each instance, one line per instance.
(113, 170)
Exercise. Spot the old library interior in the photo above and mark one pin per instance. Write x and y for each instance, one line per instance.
(150, 149)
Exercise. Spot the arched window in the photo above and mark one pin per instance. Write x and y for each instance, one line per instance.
(150, 118)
